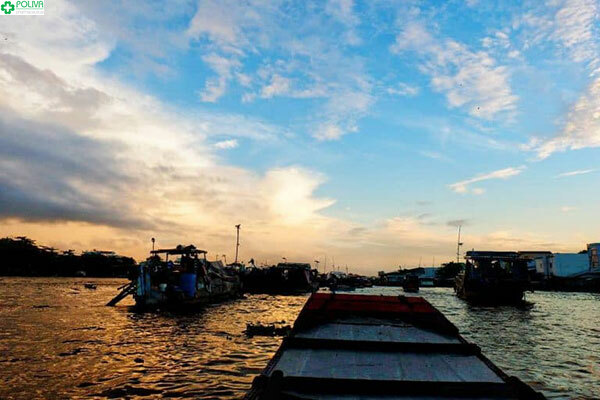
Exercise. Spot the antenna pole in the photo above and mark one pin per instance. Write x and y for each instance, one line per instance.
(458, 243)
(237, 245)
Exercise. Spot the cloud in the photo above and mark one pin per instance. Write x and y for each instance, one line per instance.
(402, 89)
(49, 174)
(343, 11)
(469, 79)
(573, 173)
(582, 127)
(95, 158)
(328, 132)
(434, 155)
(227, 144)
(455, 223)
(291, 189)
(463, 186)
(278, 51)
(278, 86)
(223, 22)
(215, 87)
(567, 209)
(570, 24)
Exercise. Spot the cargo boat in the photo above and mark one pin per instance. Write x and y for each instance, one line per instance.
(345, 346)
(185, 281)
(284, 278)
(493, 277)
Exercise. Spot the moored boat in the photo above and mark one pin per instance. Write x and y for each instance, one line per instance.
(374, 347)
(411, 283)
(186, 280)
(493, 277)
(284, 278)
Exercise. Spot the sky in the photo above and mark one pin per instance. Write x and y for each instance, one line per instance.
(363, 133)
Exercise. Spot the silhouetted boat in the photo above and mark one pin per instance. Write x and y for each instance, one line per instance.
(411, 283)
(187, 280)
(493, 277)
(284, 278)
(380, 347)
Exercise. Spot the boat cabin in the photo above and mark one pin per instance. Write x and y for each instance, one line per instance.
(497, 264)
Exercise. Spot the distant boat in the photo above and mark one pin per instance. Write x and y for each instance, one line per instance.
(185, 281)
(90, 286)
(284, 278)
(493, 277)
(411, 283)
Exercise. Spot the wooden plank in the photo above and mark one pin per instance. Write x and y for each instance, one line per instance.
(387, 333)
(351, 364)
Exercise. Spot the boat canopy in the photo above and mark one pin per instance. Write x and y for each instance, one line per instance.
(492, 255)
(292, 265)
(184, 250)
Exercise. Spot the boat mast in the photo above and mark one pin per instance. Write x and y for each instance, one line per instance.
(458, 244)
(237, 245)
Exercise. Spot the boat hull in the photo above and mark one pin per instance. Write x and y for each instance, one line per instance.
(346, 346)
(494, 292)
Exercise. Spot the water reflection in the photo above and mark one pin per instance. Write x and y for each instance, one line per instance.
(57, 340)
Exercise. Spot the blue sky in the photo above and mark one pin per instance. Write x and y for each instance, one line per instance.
(371, 129)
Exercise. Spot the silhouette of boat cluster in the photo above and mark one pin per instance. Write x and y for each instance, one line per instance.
(283, 278)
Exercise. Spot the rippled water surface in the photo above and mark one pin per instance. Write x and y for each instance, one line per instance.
(58, 340)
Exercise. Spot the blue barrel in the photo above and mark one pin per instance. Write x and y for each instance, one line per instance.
(187, 284)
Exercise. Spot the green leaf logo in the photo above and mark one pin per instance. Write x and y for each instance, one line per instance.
(7, 7)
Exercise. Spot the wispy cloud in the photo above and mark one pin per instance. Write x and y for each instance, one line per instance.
(403, 89)
(434, 155)
(572, 25)
(469, 79)
(582, 127)
(215, 86)
(457, 222)
(572, 173)
(463, 186)
(226, 144)
(567, 209)
(301, 58)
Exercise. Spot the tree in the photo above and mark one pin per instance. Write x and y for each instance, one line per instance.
(449, 270)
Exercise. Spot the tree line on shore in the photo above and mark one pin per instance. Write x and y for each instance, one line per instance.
(21, 256)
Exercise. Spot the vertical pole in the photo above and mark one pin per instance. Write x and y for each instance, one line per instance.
(237, 245)
(458, 246)
(153, 240)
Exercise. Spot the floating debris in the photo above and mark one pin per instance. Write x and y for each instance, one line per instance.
(267, 330)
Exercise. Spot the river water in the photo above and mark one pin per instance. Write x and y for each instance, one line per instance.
(58, 340)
